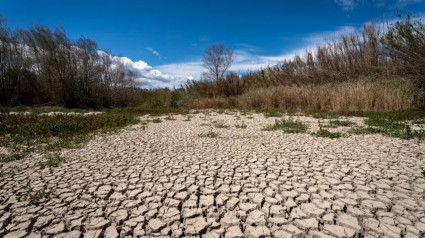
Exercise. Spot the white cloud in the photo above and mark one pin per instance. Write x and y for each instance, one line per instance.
(153, 51)
(345, 4)
(403, 3)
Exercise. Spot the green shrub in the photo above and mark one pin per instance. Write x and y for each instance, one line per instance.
(326, 133)
(288, 126)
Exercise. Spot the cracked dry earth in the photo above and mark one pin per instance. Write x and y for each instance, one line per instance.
(166, 181)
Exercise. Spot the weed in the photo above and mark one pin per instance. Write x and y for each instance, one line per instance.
(52, 160)
(288, 125)
(156, 120)
(241, 126)
(338, 123)
(5, 158)
(418, 121)
(215, 176)
(54, 132)
(188, 118)
(273, 114)
(321, 115)
(33, 197)
(219, 124)
(384, 123)
(326, 133)
(388, 127)
(170, 118)
(210, 134)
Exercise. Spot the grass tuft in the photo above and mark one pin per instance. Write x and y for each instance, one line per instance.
(241, 126)
(288, 126)
(273, 114)
(210, 134)
(339, 123)
(326, 133)
(52, 160)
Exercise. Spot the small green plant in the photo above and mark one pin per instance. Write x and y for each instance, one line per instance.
(419, 121)
(219, 124)
(338, 123)
(170, 118)
(324, 116)
(33, 197)
(156, 120)
(5, 158)
(241, 126)
(210, 134)
(215, 176)
(384, 123)
(273, 114)
(388, 127)
(188, 118)
(326, 133)
(52, 160)
(288, 126)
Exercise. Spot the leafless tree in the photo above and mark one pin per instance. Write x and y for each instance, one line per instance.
(217, 60)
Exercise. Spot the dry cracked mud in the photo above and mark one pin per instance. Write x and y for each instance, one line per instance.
(163, 180)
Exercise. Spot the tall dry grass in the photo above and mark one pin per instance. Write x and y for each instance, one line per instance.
(391, 95)
(330, 78)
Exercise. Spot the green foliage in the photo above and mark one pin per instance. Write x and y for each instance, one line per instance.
(388, 127)
(170, 118)
(219, 124)
(241, 126)
(156, 120)
(338, 123)
(52, 160)
(33, 197)
(188, 118)
(273, 114)
(388, 124)
(326, 133)
(22, 133)
(322, 115)
(209, 134)
(288, 126)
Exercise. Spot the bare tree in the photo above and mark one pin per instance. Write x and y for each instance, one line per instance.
(217, 60)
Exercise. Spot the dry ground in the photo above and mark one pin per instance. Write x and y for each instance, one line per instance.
(162, 179)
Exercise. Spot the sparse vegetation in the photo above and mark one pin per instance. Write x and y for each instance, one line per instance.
(52, 160)
(388, 127)
(156, 120)
(339, 123)
(326, 133)
(170, 118)
(25, 133)
(241, 126)
(209, 134)
(33, 197)
(219, 124)
(289, 125)
(273, 114)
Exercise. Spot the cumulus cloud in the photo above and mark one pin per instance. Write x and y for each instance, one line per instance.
(146, 75)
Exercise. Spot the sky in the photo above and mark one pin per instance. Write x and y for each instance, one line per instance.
(164, 40)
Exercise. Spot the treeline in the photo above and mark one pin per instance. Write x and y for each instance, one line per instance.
(398, 51)
(40, 66)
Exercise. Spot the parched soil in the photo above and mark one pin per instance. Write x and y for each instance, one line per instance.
(163, 179)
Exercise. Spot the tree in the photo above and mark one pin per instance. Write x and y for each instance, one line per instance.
(217, 60)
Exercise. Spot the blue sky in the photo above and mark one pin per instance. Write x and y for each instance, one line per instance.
(164, 39)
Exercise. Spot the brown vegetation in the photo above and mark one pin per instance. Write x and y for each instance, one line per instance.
(331, 78)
